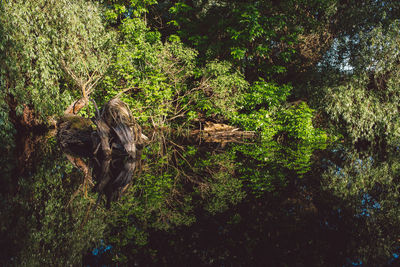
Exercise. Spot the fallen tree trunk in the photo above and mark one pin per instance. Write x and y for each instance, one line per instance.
(114, 130)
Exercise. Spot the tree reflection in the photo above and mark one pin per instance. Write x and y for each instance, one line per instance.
(367, 189)
(342, 213)
(178, 203)
(113, 176)
(39, 224)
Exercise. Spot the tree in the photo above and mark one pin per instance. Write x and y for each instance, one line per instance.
(51, 51)
(361, 92)
(260, 37)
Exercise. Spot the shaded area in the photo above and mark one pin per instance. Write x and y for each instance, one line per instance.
(185, 204)
(302, 224)
(39, 224)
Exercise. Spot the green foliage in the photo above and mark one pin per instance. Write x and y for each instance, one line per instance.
(259, 106)
(222, 89)
(48, 50)
(259, 36)
(120, 9)
(365, 104)
(7, 130)
(296, 123)
(265, 94)
(155, 72)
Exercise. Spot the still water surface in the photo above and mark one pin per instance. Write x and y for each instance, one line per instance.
(182, 204)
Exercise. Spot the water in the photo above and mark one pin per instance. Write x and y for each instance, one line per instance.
(180, 204)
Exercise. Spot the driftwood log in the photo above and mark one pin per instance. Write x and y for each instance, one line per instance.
(221, 133)
(112, 131)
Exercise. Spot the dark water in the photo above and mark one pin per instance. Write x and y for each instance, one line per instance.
(182, 204)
